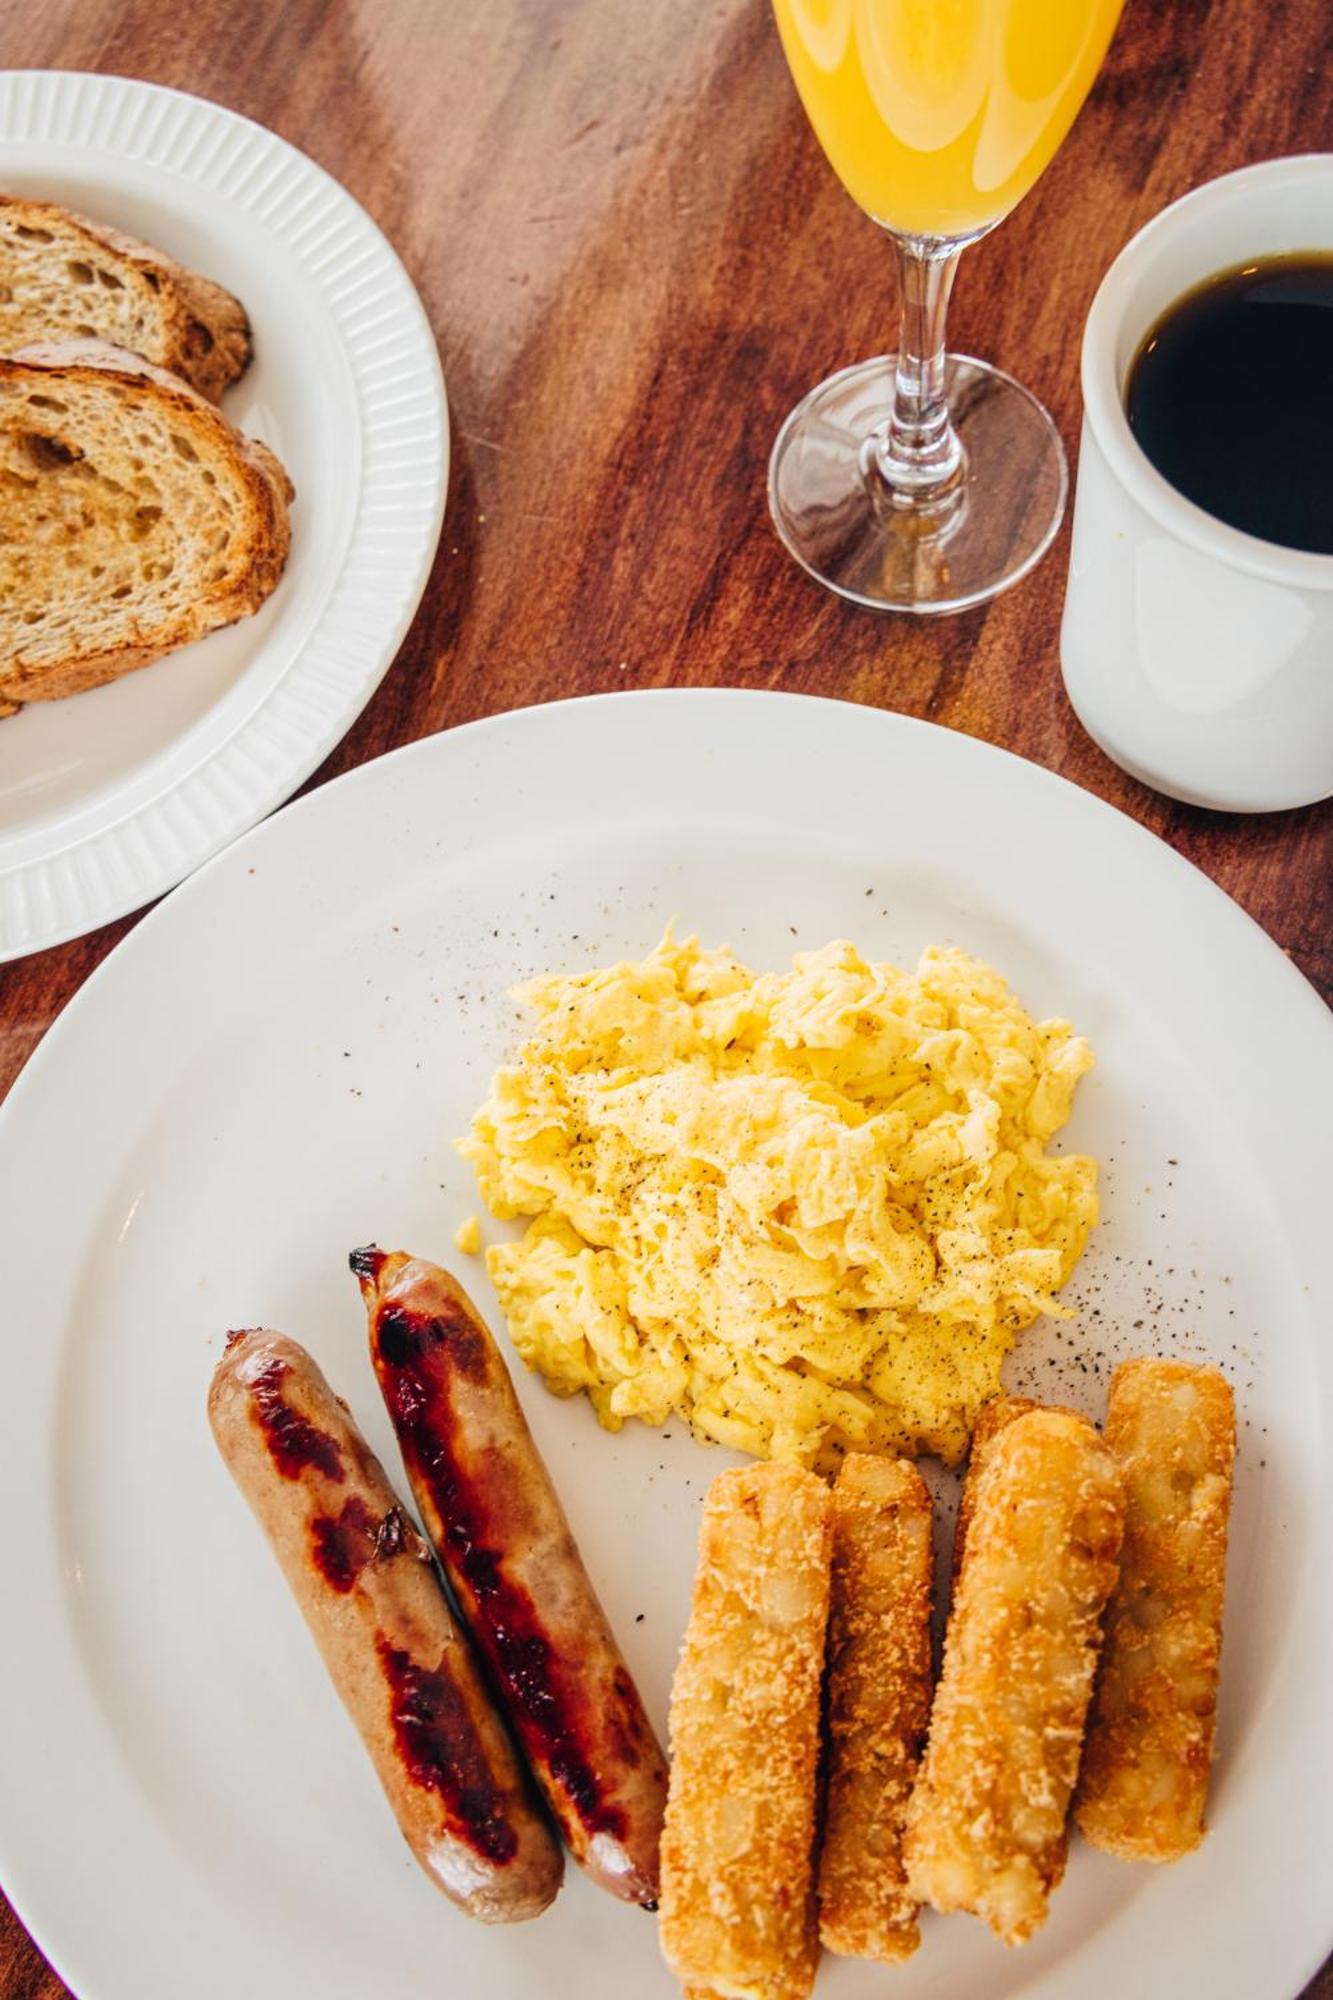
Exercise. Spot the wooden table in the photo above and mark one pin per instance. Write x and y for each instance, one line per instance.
(636, 260)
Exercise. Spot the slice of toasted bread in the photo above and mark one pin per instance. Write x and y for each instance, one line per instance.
(133, 518)
(63, 277)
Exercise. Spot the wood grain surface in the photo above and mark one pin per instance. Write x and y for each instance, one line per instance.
(635, 260)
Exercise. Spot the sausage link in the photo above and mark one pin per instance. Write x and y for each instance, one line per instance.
(368, 1590)
(489, 1508)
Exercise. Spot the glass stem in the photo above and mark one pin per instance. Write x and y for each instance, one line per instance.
(919, 455)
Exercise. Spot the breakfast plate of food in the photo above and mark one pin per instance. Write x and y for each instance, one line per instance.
(225, 444)
(672, 1330)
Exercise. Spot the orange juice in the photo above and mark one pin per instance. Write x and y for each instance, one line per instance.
(938, 115)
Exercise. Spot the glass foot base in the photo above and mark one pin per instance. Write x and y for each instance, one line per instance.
(831, 508)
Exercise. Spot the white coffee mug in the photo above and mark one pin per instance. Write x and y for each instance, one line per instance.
(1198, 657)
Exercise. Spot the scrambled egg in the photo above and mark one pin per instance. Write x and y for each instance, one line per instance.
(808, 1212)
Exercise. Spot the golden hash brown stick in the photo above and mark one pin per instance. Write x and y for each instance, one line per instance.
(985, 1828)
(737, 1905)
(878, 1703)
(994, 1416)
(1144, 1782)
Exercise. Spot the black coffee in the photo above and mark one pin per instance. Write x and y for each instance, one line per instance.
(1231, 397)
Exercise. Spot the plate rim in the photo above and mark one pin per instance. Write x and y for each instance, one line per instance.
(1316, 1030)
(81, 880)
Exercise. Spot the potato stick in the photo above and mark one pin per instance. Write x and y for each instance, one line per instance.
(1144, 1782)
(878, 1703)
(993, 1417)
(737, 1905)
(985, 1828)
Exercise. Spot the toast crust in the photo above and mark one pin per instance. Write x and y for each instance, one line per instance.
(201, 333)
(256, 557)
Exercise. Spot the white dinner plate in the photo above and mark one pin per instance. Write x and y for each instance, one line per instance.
(272, 1068)
(110, 797)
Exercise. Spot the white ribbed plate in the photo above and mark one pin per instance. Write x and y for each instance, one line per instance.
(271, 1068)
(109, 798)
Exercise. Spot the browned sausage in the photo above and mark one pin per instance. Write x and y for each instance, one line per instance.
(369, 1592)
(488, 1505)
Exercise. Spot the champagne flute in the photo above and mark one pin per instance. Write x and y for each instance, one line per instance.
(922, 480)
